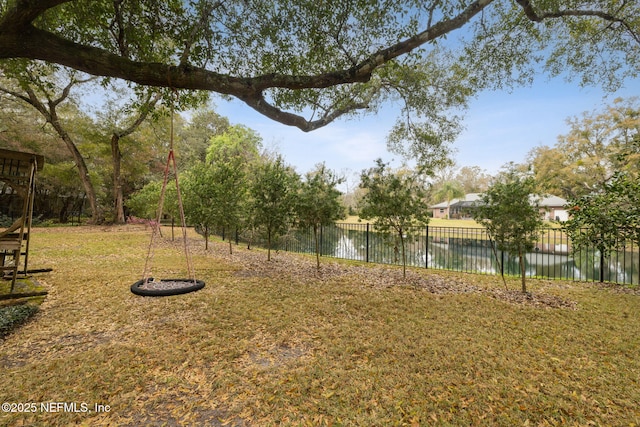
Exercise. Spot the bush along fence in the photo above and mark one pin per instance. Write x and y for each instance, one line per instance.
(467, 250)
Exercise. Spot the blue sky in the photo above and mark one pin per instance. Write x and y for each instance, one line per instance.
(500, 127)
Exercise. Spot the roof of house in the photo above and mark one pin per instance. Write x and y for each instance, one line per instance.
(471, 197)
(552, 201)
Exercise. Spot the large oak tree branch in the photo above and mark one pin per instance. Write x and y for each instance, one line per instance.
(20, 38)
(148, 105)
(25, 12)
(259, 104)
(26, 41)
(33, 43)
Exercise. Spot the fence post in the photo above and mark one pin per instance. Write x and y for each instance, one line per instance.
(426, 249)
(367, 235)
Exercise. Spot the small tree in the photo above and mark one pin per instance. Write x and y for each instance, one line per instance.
(144, 202)
(318, 202)
(607, 217)
(272, 193)
(395, 201)
(236, 141)
(214, 195)
(230, 194)
(199, 206)
(216, 191)
(510, 212)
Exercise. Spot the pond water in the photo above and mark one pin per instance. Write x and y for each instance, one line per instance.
(469, 250)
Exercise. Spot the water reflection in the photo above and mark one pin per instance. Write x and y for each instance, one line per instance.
(470, 251)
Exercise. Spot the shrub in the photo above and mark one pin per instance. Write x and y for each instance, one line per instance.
(13, 316)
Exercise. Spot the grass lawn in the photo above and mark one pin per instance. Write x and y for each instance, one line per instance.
(278, 344)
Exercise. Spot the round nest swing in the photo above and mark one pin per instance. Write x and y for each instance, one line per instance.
(147, 286)
(165, 287)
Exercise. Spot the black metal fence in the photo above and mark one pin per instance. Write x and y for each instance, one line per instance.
(468, 250)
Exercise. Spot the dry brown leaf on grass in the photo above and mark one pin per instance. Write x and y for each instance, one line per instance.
(301, 269)
(532, 299)
(271, 341)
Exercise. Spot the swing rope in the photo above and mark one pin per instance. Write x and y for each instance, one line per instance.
(171, 161)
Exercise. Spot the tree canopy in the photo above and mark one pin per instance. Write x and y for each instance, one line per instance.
(396, 201)
(318, 202)
(305, 64)
(608, 218)
(510, 212)
(447, 191)
(272, 197)
(598, 145)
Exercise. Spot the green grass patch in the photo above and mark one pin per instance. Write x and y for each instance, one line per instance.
(277, 343)
(13, 316)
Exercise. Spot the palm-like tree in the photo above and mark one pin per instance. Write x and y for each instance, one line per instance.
(449, 190)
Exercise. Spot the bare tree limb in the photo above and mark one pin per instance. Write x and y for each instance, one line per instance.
(534, 16)
(259, 104)
(147, 106)
(117, 29)
(202, 22)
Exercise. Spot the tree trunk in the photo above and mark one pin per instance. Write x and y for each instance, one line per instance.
(96, 217)
(51, 115)
(524, 286)
(495, 254)
(116, 155)
(315, 236)
(63, 215)
(404, 257)
(269, 245)
(118, 198)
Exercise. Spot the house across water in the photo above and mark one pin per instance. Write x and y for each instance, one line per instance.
(551, 207)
